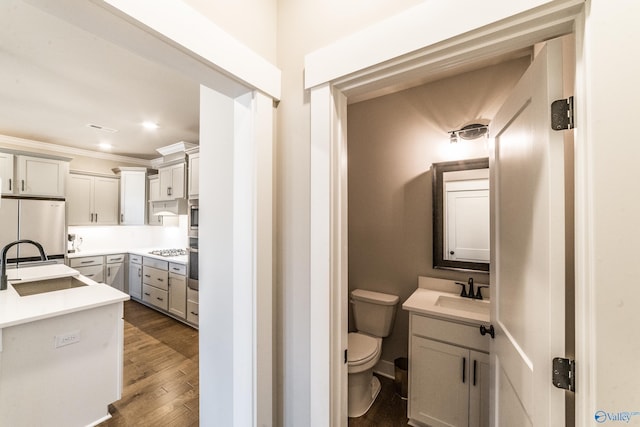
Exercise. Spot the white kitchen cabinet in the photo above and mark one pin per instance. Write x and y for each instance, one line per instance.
(133, 197)
(192, 306)
(6, 173)
(178, 294)
(135, 276)
(38, 176)
(115, 271)
(154, 195)
(155, 283)
(91, 267)
(194, 174)
(448, 374)
(92, 200)
(172, 181)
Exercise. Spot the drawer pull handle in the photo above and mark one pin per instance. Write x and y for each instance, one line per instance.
(194, 313)
(147, 275)
(159, 279)
(86, 262)
(160, 299)
(490, 330)
(147, 294)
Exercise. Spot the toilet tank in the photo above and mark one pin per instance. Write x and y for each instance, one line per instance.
(373, 312)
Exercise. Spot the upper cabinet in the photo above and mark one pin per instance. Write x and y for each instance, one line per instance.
(172, 181)
(92, 200)
(133, 200)
(33, 176)
(194, 173)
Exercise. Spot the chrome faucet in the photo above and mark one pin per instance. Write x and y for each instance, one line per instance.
(3, 260)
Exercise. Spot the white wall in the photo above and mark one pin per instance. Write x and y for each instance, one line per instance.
(613, 203)
(126, 237)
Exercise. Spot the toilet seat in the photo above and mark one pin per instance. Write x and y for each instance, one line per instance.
(362, 349)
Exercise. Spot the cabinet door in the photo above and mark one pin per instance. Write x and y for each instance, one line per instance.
(6, 173)
(115, 276)
(80, 200)
(135, 280)
(178, 181)
(439, 384)
(105, 201)
(192, 312)
(132, 198)
(165, 179)
(479, 390)
(41, 177)
(177, 295)
(194, 174)
(154, 188)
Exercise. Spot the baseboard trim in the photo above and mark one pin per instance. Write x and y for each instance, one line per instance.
(385, 368)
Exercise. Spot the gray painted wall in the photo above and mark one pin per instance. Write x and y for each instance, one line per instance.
(392, 142)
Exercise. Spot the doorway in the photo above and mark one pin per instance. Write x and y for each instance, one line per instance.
(328, 224)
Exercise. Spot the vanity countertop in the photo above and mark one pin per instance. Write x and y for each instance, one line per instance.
(448, 306)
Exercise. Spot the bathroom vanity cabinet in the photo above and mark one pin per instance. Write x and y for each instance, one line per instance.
(448, 373)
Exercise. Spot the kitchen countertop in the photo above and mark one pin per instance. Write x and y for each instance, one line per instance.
(16, 309)
(181, 259)
(425, 301)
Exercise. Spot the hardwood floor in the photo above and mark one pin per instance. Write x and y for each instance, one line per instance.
(160, 372)
(389, 410)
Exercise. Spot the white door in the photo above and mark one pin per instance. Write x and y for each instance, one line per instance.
(527, 265)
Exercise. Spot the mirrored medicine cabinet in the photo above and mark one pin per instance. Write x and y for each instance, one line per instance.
(461, 218)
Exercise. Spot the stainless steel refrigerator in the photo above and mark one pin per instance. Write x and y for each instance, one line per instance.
(34, 219)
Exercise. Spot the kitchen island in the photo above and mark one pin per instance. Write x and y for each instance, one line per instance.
(60, 351)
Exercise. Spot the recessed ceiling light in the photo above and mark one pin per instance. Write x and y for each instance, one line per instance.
(150, 125)
(105, 146)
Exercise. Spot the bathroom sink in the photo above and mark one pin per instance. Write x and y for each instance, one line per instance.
(465, 304)
(47, 285)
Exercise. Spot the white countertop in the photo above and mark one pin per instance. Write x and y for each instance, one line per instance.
(182, 259)
(424, 301)
(16, 310)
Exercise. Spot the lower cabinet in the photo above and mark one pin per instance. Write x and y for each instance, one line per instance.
(164, 286)
(91, 267)
(115, 271)
(192, 306)
(178, 295)
(135, 276)
(448, 374)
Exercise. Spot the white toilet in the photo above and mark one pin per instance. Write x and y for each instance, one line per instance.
(373, 313)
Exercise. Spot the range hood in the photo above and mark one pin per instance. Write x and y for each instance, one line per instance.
(169, 207)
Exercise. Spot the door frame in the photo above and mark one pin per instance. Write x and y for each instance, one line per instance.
(332, 83)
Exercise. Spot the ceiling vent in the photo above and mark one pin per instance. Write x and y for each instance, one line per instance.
(102, 128)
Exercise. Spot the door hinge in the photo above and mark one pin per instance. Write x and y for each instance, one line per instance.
(562, 114)
(564, 374)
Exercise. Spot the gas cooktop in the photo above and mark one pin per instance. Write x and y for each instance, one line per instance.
(169, 252)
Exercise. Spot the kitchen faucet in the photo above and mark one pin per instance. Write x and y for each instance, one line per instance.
(3, 260)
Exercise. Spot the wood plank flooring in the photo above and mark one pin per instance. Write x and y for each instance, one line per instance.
(161, 385)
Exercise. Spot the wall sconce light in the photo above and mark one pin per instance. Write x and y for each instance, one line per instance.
(468, 132)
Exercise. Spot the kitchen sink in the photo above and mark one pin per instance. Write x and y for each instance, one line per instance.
(48, 285)
(465, 304)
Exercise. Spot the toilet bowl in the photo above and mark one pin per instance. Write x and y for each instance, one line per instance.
(363, 354)
(373, 314)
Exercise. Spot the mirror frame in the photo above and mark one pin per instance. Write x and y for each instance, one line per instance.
(437, 171)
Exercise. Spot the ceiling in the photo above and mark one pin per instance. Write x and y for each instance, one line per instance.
(55, 79)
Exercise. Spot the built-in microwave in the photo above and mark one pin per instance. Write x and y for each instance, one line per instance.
(193, 218)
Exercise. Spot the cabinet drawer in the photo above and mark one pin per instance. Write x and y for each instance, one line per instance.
(84, 261)
(155, 263)
(135, 259)
(192, 312)
(112, 259)
(155, 296)
(192, 295)
(178, 268)
(154, 277)
(450, 332)
(93, 272)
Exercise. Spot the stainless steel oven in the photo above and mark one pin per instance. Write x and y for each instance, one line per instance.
(192, 279)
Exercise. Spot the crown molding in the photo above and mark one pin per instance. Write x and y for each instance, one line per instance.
(47, 146)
